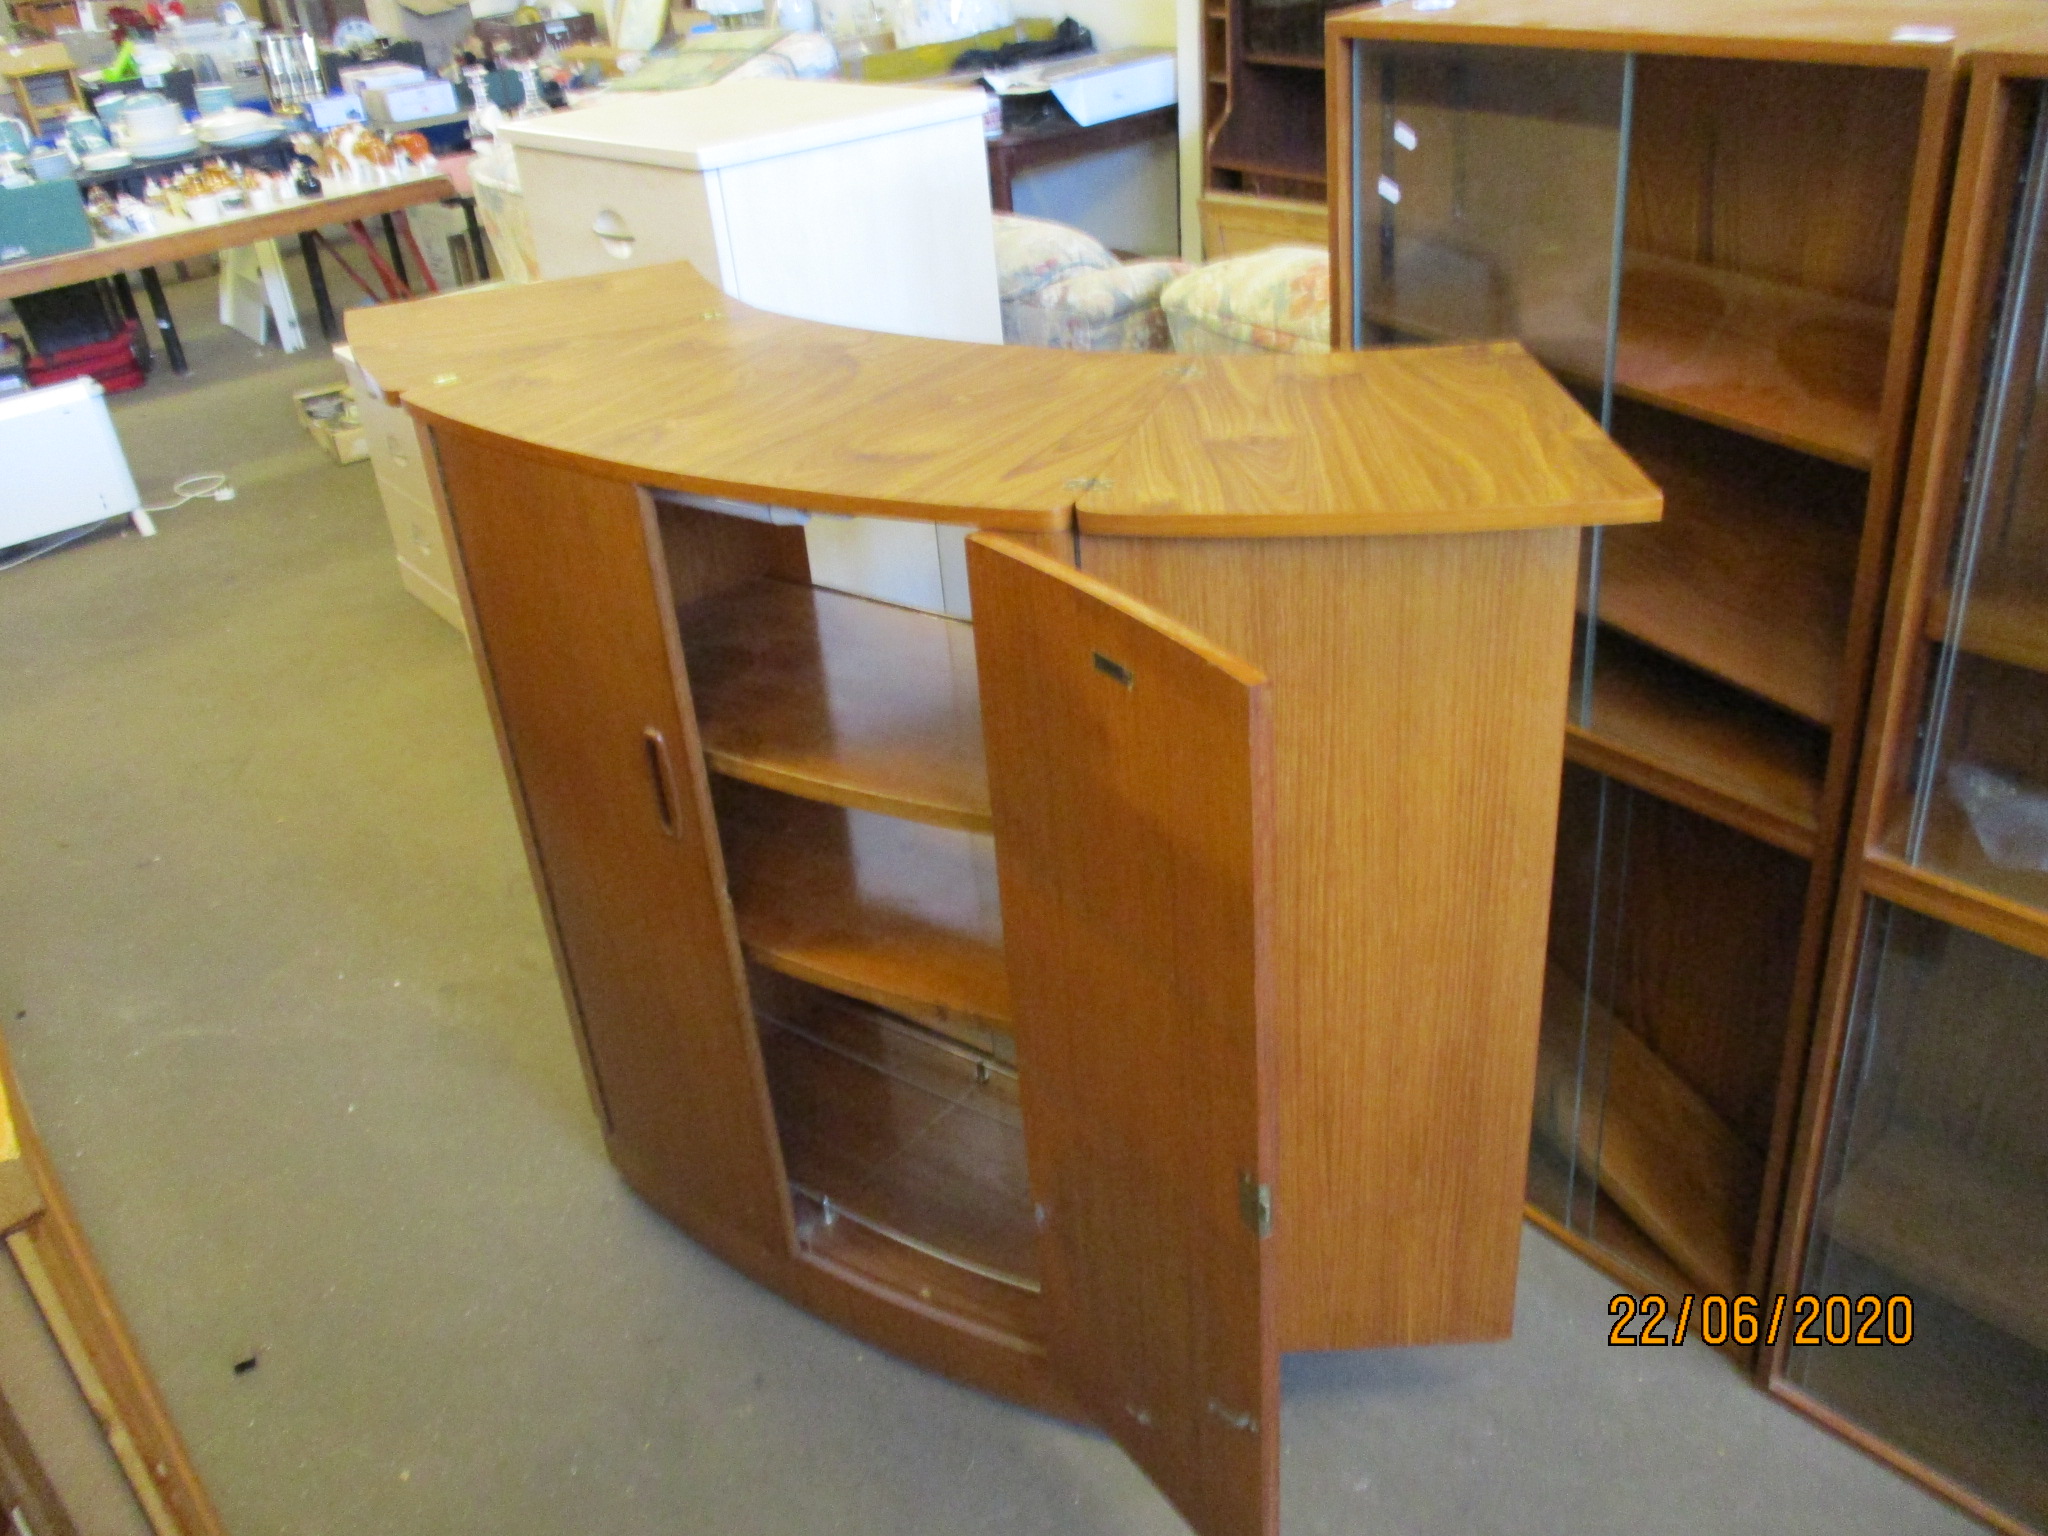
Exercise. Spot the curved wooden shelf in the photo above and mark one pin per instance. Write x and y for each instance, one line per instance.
(1680, 735)
(897, 913)
(1749, 576)
(1789, 365)
(841, 699)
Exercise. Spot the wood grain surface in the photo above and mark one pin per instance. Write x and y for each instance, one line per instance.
(733, 402)
(576, 639)
(1413, 440)
(1750, 574)
(1657, 1148)
(1839, 31)
(1789, 365)
(838, 698)
(59, 1269)
(1679, 734)
(1128, 767)
(1419, 701)
(901, 914)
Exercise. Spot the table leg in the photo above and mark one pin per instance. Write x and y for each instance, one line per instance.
(125, 293)
(309, 247)
(392, 289)
(1001, 179)
(397, 256)
(174, 349)
(412, 243)
(476, 239)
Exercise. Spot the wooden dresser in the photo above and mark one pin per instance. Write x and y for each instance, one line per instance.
(1096, 999)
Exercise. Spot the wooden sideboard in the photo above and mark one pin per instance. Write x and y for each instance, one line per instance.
(1095, 1000)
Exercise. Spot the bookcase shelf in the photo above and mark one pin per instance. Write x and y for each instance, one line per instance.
(1680, 734)
(2006, 618)
(899, 914)
(1674, 1167)
(840, 698)
(1789, 365)
(1749, 576)
(1925, 1207)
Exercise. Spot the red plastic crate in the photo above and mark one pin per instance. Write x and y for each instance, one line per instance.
(114, 362)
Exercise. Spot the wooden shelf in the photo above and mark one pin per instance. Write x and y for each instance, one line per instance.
(1673, 1166)
(1677, 734)
(1952, 852)
(1302, 171)
(897, 913)
(1948, 1220)
(840, 699)
(1789, 365)
(1283, 61)
(2007, 616)
(1615, 1243)
(912, 1137)
(1749, 575)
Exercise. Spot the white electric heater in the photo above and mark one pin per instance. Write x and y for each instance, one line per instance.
(61, 466)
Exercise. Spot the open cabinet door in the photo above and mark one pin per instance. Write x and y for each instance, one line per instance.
(1127, 767)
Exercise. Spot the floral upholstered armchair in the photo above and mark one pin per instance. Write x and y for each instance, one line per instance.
(1273, 300)
(1061, 287)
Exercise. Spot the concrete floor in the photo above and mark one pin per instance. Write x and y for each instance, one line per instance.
(277, 988)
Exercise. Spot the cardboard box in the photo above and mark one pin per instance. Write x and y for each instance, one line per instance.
(329, 416)
(46, 219)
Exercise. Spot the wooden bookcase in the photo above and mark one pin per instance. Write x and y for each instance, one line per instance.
(1263, 176)
(1922, 1166)
(1719, 227)
(1097, 999)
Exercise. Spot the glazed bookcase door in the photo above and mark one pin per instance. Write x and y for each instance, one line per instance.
(1931, 1180)
(576, 630)
(1128, 775)
(1719, 255)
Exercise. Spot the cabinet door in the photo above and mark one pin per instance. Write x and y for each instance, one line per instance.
(1128, 774)
(578, 645)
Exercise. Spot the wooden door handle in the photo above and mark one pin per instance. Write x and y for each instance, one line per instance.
(663, 775)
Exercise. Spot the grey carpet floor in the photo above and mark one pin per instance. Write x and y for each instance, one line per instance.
(279, 994)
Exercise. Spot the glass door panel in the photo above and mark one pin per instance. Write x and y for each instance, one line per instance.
(1976, 806)
(1935, 1190)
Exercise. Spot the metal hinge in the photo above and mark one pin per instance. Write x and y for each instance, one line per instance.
(1255, 1204)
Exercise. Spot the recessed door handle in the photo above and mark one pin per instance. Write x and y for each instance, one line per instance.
(661, 773)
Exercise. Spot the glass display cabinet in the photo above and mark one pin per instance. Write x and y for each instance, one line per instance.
(1923, 1171)
(1719, 228)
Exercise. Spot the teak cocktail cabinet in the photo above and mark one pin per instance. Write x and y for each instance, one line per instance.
(1097, 999)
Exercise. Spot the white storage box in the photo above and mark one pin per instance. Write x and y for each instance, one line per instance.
(860, 205)
(1098, 88)
(64, 465)
(410, 103)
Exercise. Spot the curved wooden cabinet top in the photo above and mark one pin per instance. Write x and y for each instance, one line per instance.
(655, 377)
